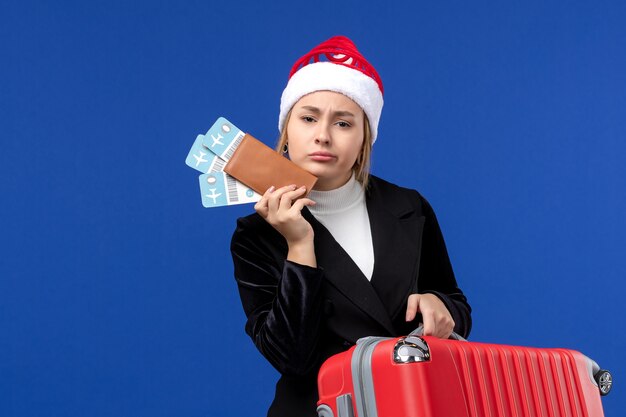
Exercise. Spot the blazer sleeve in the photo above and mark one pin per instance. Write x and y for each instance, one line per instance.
(281, 299)
(436, 275)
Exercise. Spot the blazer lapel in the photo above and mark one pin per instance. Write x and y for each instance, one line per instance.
(341, 271)
(397, 229)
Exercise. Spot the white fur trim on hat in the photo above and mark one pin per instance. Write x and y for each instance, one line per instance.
(327, 76)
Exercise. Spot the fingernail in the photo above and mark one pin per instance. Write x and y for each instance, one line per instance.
(293, 186)
(272, 188)
(302, 188)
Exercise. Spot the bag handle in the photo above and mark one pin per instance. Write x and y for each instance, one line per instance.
(420, 332)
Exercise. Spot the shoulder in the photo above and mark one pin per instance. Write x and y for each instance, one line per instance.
(381, 185)
(395, 197)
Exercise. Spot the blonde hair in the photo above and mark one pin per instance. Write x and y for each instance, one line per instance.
(361, 167)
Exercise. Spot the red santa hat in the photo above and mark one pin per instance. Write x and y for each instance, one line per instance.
(335, 65)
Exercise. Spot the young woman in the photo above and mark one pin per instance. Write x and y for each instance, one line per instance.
(358, 257)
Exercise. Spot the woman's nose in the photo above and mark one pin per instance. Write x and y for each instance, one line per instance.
(322, 135)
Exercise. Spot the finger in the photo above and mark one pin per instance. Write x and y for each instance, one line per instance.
(447, 327)
(298, 201)
(262, 210)
(444, 325)
(287, 199)
(274, 198)
(443, 334)
(430, 326)
(299, 204)
(441, 329)
(265, 198)
(261, 205)
(412, 306)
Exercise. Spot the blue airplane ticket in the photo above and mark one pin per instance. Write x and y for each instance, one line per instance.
(203, 160)
(223, 138)
(220, 189)
(209, 154)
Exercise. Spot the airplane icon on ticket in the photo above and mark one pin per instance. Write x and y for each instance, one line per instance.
(199, 158)
(213, 195)
(216, 140)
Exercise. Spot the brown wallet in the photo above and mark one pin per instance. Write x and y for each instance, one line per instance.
(259, 167)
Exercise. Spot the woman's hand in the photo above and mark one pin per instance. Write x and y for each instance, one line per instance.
(437, 319)
(280, 210)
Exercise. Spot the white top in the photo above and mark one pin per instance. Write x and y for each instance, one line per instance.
(344, 213)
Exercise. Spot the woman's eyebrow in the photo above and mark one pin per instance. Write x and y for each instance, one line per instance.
(338, 113)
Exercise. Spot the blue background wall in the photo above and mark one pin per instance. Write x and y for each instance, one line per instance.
(116, 288)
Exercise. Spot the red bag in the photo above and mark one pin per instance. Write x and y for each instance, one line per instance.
(422, 376)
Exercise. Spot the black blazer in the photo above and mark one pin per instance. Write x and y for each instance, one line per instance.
(298, 316)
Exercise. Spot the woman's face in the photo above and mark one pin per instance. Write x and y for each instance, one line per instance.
(325, 134)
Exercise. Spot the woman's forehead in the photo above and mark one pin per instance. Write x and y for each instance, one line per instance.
(329, 100)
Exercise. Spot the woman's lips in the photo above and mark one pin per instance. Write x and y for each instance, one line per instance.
(322, 156)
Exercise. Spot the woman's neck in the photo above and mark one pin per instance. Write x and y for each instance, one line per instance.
(338, 199)
(332, 183)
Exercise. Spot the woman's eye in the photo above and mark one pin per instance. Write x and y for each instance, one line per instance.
(308, 119)
(343, 124)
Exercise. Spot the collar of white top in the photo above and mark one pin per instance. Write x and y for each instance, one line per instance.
(337, 200)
